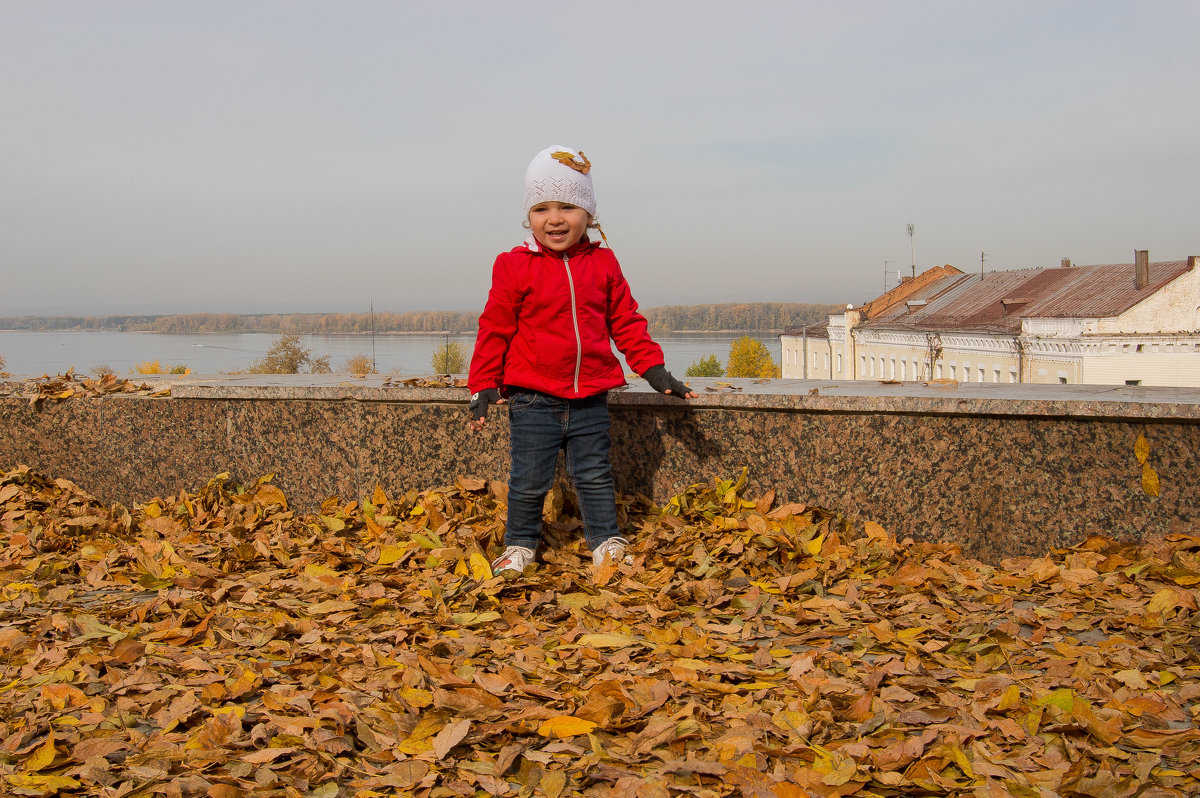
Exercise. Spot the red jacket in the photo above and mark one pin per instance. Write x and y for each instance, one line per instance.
(548, 320)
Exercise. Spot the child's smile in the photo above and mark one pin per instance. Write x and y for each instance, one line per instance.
(558, 226)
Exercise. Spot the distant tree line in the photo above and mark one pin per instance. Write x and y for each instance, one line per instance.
(77, 322)
(738, 317)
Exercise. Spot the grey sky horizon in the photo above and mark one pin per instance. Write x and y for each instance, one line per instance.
(274, 157)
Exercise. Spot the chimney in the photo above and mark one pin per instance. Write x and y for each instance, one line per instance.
(1066, 263)
(1141, 268)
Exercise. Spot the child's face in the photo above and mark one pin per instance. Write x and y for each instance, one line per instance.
(558, 226)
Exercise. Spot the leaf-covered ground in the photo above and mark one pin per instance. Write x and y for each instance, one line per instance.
(220, 644)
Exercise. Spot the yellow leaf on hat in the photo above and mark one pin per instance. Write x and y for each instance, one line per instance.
(568, 159)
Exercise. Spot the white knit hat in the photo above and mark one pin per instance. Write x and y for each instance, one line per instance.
(549, 178)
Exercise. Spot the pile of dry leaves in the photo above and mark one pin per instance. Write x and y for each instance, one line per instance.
(71, 386)
(218, 644)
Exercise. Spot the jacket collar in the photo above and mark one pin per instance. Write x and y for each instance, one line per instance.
(583, 245)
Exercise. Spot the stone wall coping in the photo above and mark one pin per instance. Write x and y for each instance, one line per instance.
(808, 396)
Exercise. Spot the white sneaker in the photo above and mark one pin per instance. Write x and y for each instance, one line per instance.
(614, 549)
(514, 558)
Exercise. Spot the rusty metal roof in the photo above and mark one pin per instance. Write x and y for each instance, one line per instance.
(997, 302)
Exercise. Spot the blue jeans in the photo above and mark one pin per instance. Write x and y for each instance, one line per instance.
(542, 425)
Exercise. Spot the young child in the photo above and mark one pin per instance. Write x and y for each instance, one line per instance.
(543, 347)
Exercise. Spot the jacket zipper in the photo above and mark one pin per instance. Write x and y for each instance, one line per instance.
(575, 321)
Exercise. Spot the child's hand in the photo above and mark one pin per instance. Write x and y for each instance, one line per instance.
(479, 405)
(661, 380)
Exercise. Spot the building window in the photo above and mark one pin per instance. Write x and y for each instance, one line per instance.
(939, 371)
(982, 374)
(839, 363)
(903, 370)
(1062, 380)
(1140, 348)
(953, 373)
(996, 374)
(1133, 382)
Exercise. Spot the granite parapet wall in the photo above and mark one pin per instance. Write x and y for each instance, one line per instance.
(1001, 470)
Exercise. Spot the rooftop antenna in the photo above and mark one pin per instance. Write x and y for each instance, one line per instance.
(982, 255)
(885, 265)
(912, 243)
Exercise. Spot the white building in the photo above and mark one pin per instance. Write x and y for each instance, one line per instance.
(1125, 324)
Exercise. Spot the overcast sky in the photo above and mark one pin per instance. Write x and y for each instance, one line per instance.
(276, 156)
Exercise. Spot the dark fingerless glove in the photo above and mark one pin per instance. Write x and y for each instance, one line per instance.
(481, 400)
(661, 380)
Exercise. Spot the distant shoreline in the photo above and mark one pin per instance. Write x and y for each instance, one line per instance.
(377, 333)
(728, 318)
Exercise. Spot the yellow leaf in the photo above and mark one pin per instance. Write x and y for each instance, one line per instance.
(1063, 698)
(605, 640)
(565, 726)
(41, 785)
(792, 721)
(481, 569)
(421, 739)
(269, 494)
(43, 757)
(390, 554)
(813, 546)
(319, 571)
(379, 499)
(964, 764)
(333, 524)
(332, 605)
(416, 698)
(1141, 449)
(1163, 602)
(14, 589)
(474, 618)
(874, 531)
(1010, 699)
(1149, 480)
(842, 773)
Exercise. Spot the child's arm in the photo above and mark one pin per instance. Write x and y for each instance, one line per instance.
(497, 325)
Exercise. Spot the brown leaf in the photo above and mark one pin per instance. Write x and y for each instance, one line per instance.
(451, 735)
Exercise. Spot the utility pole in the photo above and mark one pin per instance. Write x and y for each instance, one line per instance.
(374, 368)
(912, 243)
(885, 265)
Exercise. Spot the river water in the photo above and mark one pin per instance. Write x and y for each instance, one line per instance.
(32, 354)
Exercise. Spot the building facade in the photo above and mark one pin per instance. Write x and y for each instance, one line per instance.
(1122, 324)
